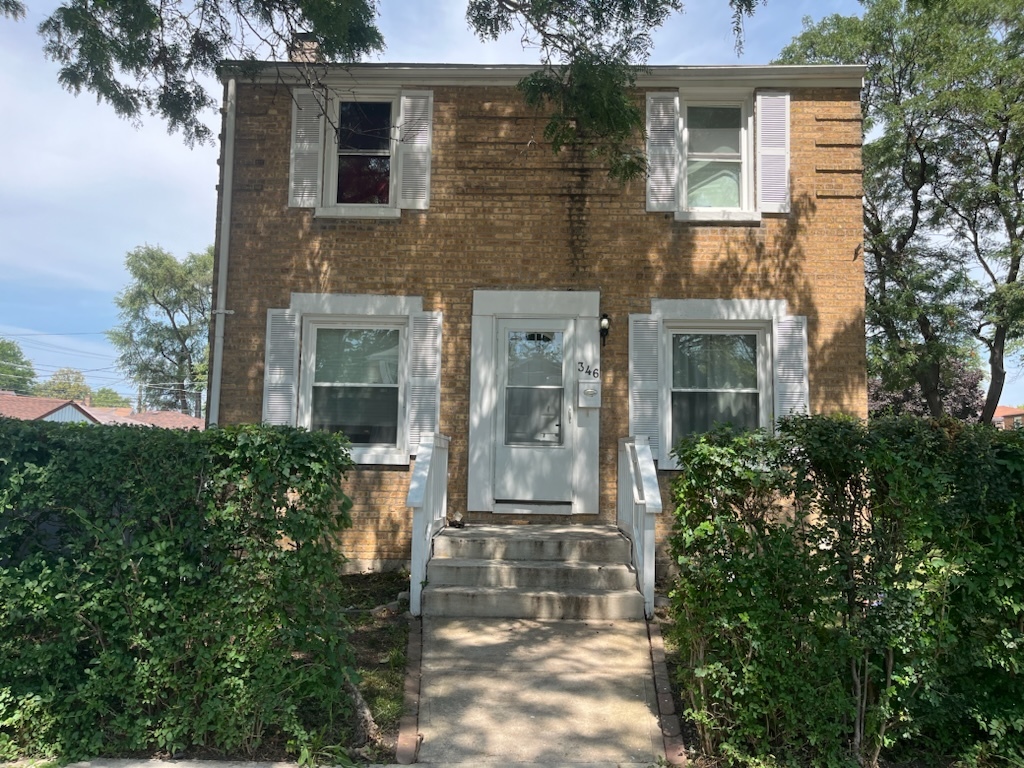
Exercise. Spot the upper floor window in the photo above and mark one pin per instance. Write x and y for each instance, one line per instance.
(360, 155)
(364, 153)
(718, 156)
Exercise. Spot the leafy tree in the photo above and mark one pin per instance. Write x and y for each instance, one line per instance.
(960, 389)
(66, 384)
(16, 371)
(105, 397)
(165, 318)
(943, 180)
(144, 56)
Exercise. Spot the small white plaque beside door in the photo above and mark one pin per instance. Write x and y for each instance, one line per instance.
(588, 393)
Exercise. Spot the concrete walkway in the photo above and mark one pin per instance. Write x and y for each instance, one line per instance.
(516, 691)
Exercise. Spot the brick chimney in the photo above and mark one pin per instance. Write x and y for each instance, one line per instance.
(304, 49)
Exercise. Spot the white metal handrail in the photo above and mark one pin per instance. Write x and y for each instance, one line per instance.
(428, 500)
(638, 503)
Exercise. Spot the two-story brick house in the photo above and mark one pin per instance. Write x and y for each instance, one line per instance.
(400, 252)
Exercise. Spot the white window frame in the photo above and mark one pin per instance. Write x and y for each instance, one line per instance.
(743, 100)
(762, 330)
(329, 193)
(313, 172)
(362, 453)
(764, 143)
(782, 364)
(290, 352)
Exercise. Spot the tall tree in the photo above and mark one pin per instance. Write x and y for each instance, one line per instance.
(149, 56)
(105, 397)
(943, 180)
(66, 384)
(165, 318)
(960, 389)
(16, 371)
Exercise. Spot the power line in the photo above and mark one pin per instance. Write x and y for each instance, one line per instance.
(73, 333)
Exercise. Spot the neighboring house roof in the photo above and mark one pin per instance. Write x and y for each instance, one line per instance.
(169, 420)
(1007, 415)
(29, 408)
(162, 419)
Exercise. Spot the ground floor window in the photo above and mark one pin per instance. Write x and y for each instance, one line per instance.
(714, 381)
(364, 365)
(700, 363)
(355, 386)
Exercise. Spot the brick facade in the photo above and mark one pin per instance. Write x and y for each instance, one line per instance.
(507, 213)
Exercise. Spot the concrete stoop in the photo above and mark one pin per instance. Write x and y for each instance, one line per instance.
(532, 572)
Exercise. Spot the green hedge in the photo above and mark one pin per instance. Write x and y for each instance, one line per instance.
(162, 589)
(849, 592)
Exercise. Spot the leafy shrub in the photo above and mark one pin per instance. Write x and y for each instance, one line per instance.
(161, 589)
(851, 590)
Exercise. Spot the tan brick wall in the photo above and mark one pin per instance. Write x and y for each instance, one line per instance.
(506, 213)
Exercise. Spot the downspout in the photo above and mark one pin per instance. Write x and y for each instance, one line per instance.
(224, 236)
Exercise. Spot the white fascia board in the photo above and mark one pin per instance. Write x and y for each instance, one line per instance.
(426, 75)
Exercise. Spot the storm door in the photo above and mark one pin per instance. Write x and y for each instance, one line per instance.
(533, 457)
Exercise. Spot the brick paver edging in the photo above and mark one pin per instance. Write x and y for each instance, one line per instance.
(409, 728)
(671, 731)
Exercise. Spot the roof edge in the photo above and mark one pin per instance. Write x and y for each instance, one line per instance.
(356, 75)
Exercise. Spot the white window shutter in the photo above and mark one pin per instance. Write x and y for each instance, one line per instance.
(280, 370)
(424, 377)
(792, 393)
(415, 130)
(662, 151)
(307, 141)
(772, 117)
(644, 380)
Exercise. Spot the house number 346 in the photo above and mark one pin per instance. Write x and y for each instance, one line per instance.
(586, 370)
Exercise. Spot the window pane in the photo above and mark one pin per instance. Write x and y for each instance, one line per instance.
(714, 361)
(534, 358)
(697, 412)
(533, 416)
(364, 414)
(364, 125)
(712, 184)
(356, 356)
(714, 129)
(364, 179)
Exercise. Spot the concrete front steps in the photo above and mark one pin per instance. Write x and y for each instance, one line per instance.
(532, 571)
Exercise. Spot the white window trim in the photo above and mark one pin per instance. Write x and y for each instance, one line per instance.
(782, 364)
(290, 347)
(724, 97)
(361, 453)
(326, 104)
(329, 208)
(765, 161)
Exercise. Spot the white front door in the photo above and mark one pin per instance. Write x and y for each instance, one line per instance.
(533, 458)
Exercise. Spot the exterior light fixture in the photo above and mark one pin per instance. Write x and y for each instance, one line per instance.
(606, 323)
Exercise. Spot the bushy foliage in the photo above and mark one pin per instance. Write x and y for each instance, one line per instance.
(851, 591)
(162, 589)
(960, 388)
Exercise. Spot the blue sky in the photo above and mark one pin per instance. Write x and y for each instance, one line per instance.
(81, 187)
